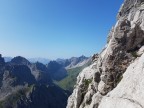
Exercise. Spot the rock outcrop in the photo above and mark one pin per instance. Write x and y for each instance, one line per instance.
(129, 92)
(115, 79)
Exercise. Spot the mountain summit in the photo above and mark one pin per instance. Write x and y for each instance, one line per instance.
(20, 61)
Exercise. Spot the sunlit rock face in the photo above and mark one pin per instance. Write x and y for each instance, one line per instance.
(115, 79)
(129, 92)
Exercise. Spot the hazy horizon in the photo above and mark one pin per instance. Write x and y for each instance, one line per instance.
(41, 57)
(55, 29)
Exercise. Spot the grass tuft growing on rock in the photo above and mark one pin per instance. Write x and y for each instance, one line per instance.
(87, 82)
(134, 54)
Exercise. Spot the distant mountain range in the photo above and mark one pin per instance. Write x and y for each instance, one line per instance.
(41, 60)
(25, 82)
(32, 60)
(30, 85)
(73, 62)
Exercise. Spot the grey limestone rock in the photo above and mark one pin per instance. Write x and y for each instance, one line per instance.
(110, 70)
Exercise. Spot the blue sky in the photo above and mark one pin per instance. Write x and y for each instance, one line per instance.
(55, 28)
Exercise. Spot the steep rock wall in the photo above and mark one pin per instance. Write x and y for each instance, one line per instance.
(125, 46)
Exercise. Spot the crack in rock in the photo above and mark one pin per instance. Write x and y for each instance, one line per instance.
(133, 101)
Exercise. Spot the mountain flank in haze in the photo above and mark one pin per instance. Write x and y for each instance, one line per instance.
(69, 81)
(39, 59)
(73, 62)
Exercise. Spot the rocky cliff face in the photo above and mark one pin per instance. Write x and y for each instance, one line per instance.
(115, 79)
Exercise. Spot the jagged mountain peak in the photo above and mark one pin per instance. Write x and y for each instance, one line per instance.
(20, 61)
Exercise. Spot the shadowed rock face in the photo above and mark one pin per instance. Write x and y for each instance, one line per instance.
(57, 71)
(95, 84)
(22, 74)
(36, 96)
(25, 85)
(1, 60)
(41, 73)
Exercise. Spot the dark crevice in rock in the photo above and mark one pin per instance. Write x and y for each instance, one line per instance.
(97, 77)
(135, 39)
(137, 47)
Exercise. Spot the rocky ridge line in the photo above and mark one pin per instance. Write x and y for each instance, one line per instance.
(105, 82)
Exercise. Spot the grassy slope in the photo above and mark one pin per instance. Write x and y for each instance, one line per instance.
(68, 82)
